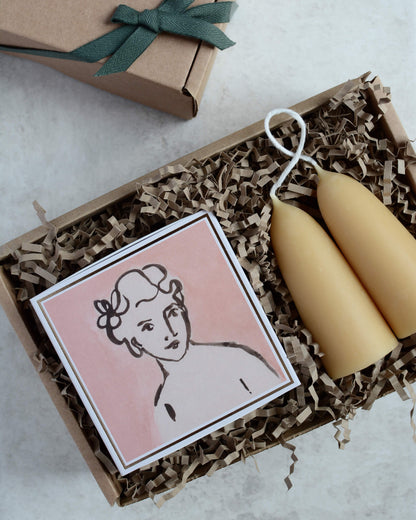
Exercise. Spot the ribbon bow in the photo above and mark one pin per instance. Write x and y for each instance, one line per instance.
(126, 43)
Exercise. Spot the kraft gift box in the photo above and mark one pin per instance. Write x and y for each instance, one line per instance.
(231, 178)
(170, 75)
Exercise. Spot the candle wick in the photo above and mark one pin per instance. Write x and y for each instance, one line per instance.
(297, 155)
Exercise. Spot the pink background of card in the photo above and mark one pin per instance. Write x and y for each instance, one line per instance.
(123, 386)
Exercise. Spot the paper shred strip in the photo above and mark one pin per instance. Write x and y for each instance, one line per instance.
(388, 172)
(292, 449)
(43, 273)
(29, 246)
(393, 380)
(343, 432)
(412, 394)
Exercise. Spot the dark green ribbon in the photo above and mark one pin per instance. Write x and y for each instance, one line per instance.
(126, 43)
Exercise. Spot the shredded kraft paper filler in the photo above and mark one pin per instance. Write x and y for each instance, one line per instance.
(345, 134)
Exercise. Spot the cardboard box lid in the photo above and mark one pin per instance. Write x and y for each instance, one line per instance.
(169, 62)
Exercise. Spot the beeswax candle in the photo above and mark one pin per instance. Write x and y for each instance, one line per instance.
(331, 301)
(380, 250)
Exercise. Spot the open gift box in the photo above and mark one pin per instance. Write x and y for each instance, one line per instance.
(170, 75)
(352, 127)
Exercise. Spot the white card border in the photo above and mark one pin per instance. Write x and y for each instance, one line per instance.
(247, 291)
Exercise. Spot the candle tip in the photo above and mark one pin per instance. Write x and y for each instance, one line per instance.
(321, 172)
(275, 200)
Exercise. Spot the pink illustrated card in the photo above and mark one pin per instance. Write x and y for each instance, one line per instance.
(165, 341)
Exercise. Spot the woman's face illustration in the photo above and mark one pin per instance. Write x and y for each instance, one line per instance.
(160, 326)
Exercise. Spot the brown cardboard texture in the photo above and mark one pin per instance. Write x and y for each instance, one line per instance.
(170, 75)
(147, 203)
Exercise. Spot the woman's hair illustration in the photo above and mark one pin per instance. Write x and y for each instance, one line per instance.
(151, 280)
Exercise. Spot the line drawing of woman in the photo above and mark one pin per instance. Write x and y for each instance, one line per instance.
(200, 381)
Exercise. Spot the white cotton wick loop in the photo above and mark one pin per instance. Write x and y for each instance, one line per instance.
(295, 155)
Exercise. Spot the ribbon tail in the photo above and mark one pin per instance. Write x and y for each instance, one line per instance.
(200, 29)
(104, 45)
(128, 52)
(45, 53)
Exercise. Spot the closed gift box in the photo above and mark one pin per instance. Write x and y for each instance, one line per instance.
(232, 178)
(170, 75)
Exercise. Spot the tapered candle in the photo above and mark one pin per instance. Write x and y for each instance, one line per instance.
(378, 247)
(331, 301)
